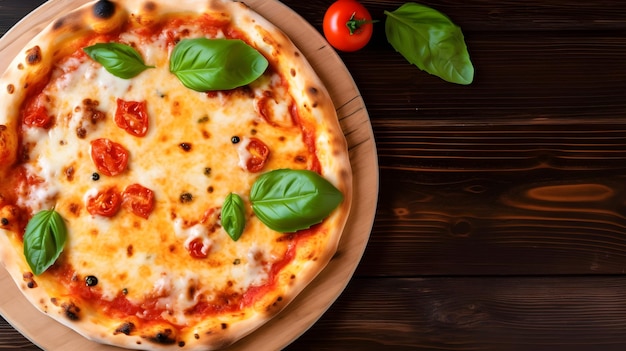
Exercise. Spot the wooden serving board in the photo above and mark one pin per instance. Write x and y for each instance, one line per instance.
(309, 306)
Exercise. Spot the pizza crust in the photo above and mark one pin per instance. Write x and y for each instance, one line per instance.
(315, 108)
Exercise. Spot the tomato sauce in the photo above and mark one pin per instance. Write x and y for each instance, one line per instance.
(308, 137)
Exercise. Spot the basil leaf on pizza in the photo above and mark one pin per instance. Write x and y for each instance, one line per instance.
(289, 200)
(203, 64)
(233, 216)
(121, 60)
(44, 240)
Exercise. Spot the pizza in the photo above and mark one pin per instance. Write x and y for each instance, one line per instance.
(172, 173)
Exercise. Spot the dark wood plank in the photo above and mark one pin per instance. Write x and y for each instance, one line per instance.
(474, 314)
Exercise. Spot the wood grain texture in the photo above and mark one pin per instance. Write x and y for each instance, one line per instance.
(501, 220)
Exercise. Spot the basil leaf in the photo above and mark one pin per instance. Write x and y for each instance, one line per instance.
(44, 240)
(428, 39)
(120, 60)
(290, 200)
(233, 216)
(203, 64)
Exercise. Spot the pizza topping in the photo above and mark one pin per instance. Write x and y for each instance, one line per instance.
(138, 199)
(95, 176)
(109, 157)
(105, 202)
(91, 280)
(259, 153)
(233, 216)
(36, 114)
(186, 197)
(132, 116)
(203, 64)
(253, 153)
(185, 146)
(197, 248)
(235, 139)
(44, 240)
(119, 59)
(290, 200)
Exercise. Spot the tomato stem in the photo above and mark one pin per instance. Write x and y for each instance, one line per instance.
(354, 24)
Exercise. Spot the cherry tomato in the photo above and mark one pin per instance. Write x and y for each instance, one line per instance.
(197, 249)
(132, 116)
(36, 114)
(347, 25)
(109, 157)
(106, 203)
(138, 199)
(259, 153)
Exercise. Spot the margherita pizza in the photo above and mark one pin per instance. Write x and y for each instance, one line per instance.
(172, 173)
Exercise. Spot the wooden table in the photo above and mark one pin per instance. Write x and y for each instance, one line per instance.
(501, 222)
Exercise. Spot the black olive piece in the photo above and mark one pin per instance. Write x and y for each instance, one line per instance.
(90, 280)
(235, 139)
(95, 176)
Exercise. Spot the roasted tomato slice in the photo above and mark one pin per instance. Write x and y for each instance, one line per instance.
(109, 157)
(138, 199)
(132, 116)
(105, 203)
(259, 153)
(197, 249)
(36, 114)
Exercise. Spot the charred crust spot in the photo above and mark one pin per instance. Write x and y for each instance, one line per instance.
(313, 90)
(10, 88)
(29, 279)
(191, 292)
(69, 173)
(71, 311)
(81, 132)
(33, 55)
(296, 54)
(224, 326)
(20, 66)
(149, 6)
(104, 9)
(91, 112)
(126, 328)
(181, 344)
(164, 337)
(74, 208)
(292, 72)
(129, 251)
(58, 24)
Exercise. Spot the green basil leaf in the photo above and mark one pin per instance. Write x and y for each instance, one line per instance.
(203, 64)
(44, 240)
(121, 60)
(428, 39)
(288, 200)
(233, 216)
